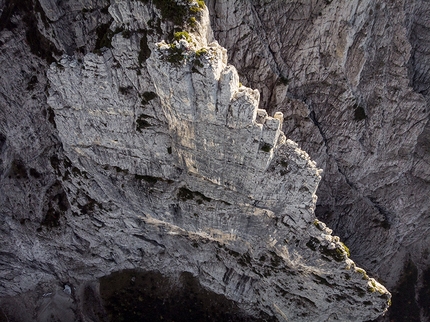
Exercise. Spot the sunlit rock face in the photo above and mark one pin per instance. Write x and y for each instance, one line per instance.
(352, 83)
(163, 161)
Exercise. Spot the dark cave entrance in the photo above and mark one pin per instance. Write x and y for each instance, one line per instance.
(131, 295)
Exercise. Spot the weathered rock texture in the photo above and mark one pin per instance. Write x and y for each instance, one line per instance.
(122, 148)
(357, 102)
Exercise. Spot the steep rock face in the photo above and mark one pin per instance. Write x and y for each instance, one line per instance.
(351, 81)
(169, 165)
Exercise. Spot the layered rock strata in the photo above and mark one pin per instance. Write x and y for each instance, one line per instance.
(351, 79)
(170, 165)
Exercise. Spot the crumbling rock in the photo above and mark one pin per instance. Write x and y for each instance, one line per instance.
(357, 102)
(169, 163)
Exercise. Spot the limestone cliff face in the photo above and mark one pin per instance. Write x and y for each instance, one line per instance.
(136, 146)
(351, 79)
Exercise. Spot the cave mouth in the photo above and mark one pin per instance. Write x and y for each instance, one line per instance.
(132, 295)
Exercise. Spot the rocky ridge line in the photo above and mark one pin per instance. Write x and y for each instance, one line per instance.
(153, 182)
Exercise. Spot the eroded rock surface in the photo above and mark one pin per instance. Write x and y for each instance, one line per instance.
(351, 80)
(160, 158)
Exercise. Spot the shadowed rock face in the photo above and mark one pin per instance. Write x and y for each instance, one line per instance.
(204, 175)
(138, 153)
(357, 102)
(149, 296)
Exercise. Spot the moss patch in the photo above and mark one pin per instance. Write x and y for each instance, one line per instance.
(182, 35)
(201, 52)
(346, 249)
(337, 254)
(362, 272)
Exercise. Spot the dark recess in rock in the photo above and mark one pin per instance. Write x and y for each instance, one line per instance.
(39, 44)
(104, 37)
(92, 305)
(170, 10)
(142, 123)
(424, 293)
(405, 307)
(132, 295)
(359, 113)
(2, 140)
(57, 204)
(147, 97)
(144, 52)
(185, 194)
(18, 170)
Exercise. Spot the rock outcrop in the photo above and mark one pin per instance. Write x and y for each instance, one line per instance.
(351, 80)
(151, 154)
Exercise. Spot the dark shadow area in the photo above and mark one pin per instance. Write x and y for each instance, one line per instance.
(405, 307)
(131, 295)
(424, 294)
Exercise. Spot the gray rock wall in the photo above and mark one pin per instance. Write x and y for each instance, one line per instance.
(350, 79)
(123, 160)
